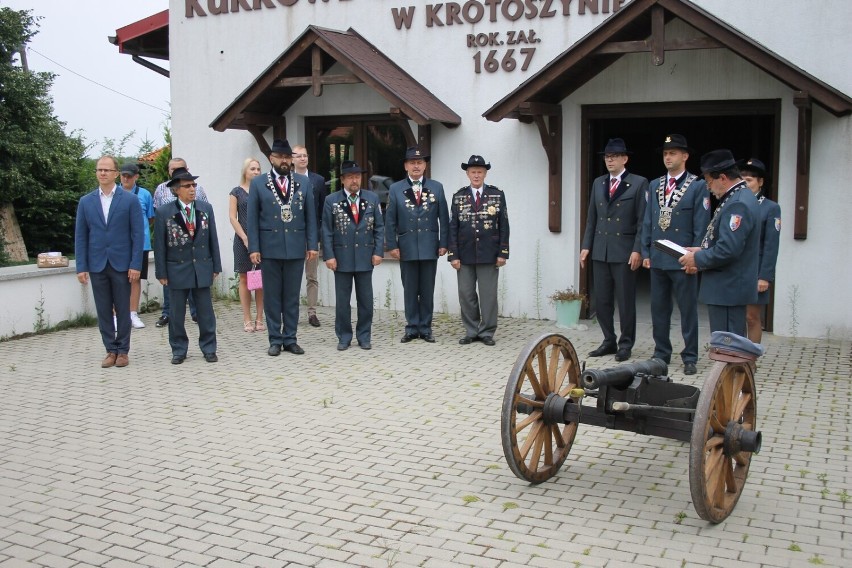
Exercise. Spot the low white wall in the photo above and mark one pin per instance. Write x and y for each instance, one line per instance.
(34, 298)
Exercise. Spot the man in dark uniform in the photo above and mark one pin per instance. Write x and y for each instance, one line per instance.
(186, 253)
(416, 225)
(352, 243)
(282, 229)
(614, 238)
(728, 255)
(769, 224)
(478, 247)
(678, 210)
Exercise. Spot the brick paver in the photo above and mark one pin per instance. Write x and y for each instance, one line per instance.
(366, 459)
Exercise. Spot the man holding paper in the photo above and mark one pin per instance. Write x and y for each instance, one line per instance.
(728, 256)
(678, 211)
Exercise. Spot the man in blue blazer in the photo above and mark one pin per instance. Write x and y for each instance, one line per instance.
(186, 255)
(613, 239)
(300, 165)
(108, 243)
(282, 232)
(416, 227)
(678, 210)
(352, 244)
(728, 256)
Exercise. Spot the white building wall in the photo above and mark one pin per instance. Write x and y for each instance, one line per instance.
(214, 58)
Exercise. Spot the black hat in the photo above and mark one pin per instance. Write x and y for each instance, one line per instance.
(615, 146)
(130, 168)
(675, 142)
(717, 161)
(477, 161)
(755, 166)
(415, 153)
(350, 167)
(180, 174)
(281, 147)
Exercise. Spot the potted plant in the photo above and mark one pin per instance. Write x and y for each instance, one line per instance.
(568, 303)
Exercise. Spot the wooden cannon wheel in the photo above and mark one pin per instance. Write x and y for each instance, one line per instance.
(534, 450)
(718, 474)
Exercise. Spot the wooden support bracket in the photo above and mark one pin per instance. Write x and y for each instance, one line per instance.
(658, 35)
(802, 100)
(548, 120)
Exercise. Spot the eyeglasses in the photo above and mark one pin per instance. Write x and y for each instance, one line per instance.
(103, 171)
(186, 185)
(612, 156)
(300, 155)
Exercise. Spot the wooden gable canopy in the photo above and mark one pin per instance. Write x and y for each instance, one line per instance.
(149, 37)
(304, 67)
(640, 27)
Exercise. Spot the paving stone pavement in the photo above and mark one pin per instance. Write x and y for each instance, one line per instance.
(383, 458)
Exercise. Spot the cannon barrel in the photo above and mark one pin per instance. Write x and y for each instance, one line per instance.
(622, 375)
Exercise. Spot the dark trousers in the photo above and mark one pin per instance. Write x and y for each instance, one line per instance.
(478, 312)
(343, 310)
(282, 283)
(615, 282)
(727, 318)
(111, 290)
(418, 286)
(178, 339)
(684, 287)
(167, 302)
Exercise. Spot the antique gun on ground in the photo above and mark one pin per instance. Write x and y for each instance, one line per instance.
(548, 396)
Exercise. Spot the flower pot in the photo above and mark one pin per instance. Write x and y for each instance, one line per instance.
(568, 313)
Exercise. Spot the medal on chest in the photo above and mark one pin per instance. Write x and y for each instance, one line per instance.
(665, 220)
(284, 201)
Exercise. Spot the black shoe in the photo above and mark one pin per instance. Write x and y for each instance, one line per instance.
(274, 350)
(365, 345)
(195, 319)
(427, 337)
(178, 359)
(465, 340)
(689, 369)
(294, 349)
(210, 357)
(604, 349)
(487, 341)
(163, 321)
(342, 346)
(408, 337)
(622, 354)
(314, 320)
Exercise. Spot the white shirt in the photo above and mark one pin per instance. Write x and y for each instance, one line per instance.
(476, 191)
(106, 201)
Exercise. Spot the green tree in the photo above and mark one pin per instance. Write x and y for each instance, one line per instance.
(43, 170)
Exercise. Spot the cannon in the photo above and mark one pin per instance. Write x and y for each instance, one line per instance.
(548, 396)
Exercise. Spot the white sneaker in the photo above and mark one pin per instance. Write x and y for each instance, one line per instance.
(136, 322)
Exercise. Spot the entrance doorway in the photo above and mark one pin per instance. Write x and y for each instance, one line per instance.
(376, 142)
(749, 128)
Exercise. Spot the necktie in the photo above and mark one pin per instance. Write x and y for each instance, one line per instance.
(670, 187)
(190, 226)
(353, 206)
(613, 185)
(417, 185)
(282, 183)
(478, 199)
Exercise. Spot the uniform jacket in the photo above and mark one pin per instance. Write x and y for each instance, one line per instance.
(268, 234)
(418, 231)
(769, 221)
(352, 244)
(614, 226)
(119, 239)
(186, 261)
(689, 220)
(479, 236)
(729, 263)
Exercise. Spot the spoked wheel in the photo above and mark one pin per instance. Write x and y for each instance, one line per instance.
(724, 436)
(535, 450)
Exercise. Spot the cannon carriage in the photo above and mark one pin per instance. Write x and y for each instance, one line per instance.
(548, 396)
